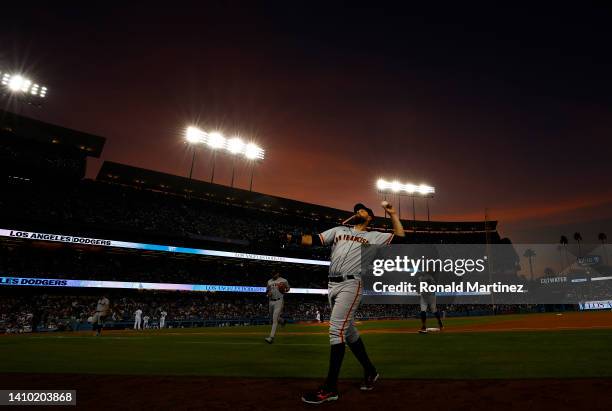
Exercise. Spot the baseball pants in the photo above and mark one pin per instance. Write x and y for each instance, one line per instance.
(344, 299)
(276, 308)
(428, 300)
(137, 324)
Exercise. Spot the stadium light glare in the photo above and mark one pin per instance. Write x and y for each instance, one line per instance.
(216, 140)
(18, 84)
(425, 189)
(235, 145)
(253, 152)
(194, 135)
(410, 189)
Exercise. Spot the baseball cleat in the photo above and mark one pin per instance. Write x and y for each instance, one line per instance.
(320, 396)
(423, 331)
(269, 340)
(368, 382)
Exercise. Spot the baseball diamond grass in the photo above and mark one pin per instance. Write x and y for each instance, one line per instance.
(302, 351)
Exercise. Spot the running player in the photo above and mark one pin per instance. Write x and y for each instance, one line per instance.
(276, 288)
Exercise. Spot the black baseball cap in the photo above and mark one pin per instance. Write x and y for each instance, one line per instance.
(360, 206)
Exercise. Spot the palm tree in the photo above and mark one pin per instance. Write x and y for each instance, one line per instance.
(563, 241)
(529, 253)
(578, 238)
(603, 238)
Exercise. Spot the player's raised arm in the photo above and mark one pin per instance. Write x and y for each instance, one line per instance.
(398, 229)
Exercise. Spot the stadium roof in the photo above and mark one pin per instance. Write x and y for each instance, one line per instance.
(30, 129)
(116, 173)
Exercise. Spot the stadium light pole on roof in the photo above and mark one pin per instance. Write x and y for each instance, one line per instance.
(253, 153)
(217, 142)
(408, 190)
(194, 137)
(235, 146)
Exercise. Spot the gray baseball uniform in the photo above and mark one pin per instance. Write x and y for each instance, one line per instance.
(344, 288)
(137, 319)
(428, 299)
(276, 300)
(102, 309)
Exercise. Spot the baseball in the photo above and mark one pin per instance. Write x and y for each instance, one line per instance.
(385, 203)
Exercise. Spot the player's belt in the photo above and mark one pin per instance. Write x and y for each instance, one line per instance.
(340, 278)
(274, 299)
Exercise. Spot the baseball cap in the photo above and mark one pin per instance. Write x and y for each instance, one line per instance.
(360, 206)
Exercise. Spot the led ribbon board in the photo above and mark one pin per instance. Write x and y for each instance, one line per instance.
(153, 247)
(54, 282)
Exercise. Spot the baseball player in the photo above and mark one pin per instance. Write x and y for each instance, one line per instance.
(345, 291)
(102, 310)
(428, 300)
(275, 289)
(318, 316)
(162, 319)
(138, 319)
(146, 322)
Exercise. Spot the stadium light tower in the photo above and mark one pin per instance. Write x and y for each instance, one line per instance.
(407, 190)
(216, 142)
(253, 153)
(235, 146)
(193, 136)
(22, 88)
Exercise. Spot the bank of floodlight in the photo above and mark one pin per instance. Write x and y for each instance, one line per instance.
(21, 86)
(216, 141)
(397, 187)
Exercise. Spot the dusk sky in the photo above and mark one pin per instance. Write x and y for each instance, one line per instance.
(509, 109)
